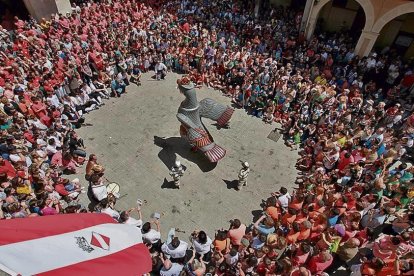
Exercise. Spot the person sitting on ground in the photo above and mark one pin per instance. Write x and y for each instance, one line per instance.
(160, 70)
(136, 75)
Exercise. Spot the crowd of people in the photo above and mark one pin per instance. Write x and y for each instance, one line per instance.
(350, 118)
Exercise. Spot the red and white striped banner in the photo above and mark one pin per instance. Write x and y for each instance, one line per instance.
(72, 244)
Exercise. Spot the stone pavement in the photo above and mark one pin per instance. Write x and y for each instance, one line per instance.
(136, 138)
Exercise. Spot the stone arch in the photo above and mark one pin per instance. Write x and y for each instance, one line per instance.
(392, 14)
(366, 6)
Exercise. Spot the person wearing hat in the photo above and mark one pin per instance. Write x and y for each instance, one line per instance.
(243, 174)
(176, 172)
(96, 185)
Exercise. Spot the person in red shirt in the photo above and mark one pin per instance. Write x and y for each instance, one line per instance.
(408, 80)
(7, 168)
(186, 27)
(318, 264)
(40, 110)
(345, 159)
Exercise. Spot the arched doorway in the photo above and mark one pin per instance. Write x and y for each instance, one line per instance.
(396, 30)
(342, 14)
(397, 36)
(9, 9)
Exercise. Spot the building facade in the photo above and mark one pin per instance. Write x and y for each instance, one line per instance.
(387, 22)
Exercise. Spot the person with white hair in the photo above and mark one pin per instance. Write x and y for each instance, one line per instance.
(176, 172)
(243, 174)
(169, 268)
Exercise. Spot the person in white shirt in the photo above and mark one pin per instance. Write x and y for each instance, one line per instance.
(201, 242)
(176, 249)
(52, 99)
(330, 159)
(169, 268)
(232, 257)
(125, 217)
(283, 198)
(107, 209)
(160, 70)
(51, 147)
(36, 122)
(150, 235)
(99, 189)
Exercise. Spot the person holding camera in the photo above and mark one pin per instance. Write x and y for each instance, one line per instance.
(125, 217)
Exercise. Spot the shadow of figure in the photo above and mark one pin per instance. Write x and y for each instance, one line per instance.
(168, 184)
(231, 184)
(221, 127)
(173, 146)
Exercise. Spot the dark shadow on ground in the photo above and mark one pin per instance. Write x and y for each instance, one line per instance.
(168, 184)
(231, 184)
(173, 146)
(236, 106)
(220, 127)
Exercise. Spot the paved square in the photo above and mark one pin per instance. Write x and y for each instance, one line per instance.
(137, 140)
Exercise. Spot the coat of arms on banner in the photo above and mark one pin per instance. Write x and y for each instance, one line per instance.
(97, 241)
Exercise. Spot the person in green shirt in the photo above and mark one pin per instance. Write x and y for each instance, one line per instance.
(392, 184)
(402, 194)
(294, 141)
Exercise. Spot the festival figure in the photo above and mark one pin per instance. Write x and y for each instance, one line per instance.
(176, 172)
(243, 174)
(215, 111)
(192, 129)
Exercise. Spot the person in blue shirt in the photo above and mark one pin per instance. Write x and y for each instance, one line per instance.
(136, 75)
(333, 218)
(265, 225)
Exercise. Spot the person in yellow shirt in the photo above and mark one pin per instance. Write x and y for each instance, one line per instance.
(44, 24)
(321, 79)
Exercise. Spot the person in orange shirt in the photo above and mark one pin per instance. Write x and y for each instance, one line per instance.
(318, 226)
(302, 216)
(293, 234)
(222, 242)
(377, 267)
(297, 203)
(305, 230)
(289, 217)
(271, 209)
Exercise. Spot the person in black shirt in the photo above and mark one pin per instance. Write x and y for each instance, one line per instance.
(73, 116)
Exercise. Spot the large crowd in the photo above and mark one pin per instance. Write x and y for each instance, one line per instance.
(350, 118)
